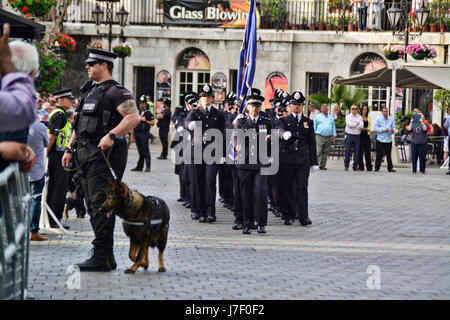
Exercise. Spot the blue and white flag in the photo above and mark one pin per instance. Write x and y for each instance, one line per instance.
(247, 57)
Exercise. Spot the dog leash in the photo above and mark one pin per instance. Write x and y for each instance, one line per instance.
(109, 165)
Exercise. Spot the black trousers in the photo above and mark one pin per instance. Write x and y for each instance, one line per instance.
(141, 138)
(220, 175)
(228, 184)
(191, 181)
(295, 179)
(205, 189)
(365, 153)
(237, 202)
(254, 197)
(164, 137)
(58, 184)
(94, 177)
(381, 150)
(275, 190)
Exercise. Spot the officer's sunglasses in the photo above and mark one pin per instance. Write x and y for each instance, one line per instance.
(92, 63)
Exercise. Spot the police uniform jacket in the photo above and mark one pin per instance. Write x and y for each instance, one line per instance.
(212, 120)
(300, 148)
(143, 126)
(262, 125)
(179, 115)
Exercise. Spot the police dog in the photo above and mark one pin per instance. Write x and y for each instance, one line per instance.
(145, 222)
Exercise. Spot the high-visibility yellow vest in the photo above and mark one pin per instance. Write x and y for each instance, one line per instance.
(62, 139)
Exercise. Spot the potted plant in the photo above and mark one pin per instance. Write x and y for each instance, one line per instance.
(160, 4)
(304, 25)
(95, 44)
(322, 26)
(433, 22)
(352, 23)
(30, 8)
(51, 69)
(442, 23)
(65, 42)
(393, 53)
(312, 25)
(122, 49)
(442, 98)
(420, 51)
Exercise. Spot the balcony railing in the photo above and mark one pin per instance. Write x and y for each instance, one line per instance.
(282, 14)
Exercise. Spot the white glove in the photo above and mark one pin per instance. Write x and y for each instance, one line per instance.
(191, 125)
(314, 168)
(180, 129)
(239, 116)
(287, 135)
(223, 160)
(268, 138)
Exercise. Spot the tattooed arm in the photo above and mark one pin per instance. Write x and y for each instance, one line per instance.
(128, 111)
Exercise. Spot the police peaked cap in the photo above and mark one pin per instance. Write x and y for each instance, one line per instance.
(230, 98)
(279, 93)
(97, 55)
(206, 91)
(189, 95)
(192, 100)
(297, 97)
(65, 93)
(254, 97)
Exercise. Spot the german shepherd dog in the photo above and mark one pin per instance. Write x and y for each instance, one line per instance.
(145, 222)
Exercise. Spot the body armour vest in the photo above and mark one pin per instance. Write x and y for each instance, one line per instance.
(95, 116)
(62, 139)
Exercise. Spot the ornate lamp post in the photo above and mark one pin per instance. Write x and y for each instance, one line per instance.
(98, 13)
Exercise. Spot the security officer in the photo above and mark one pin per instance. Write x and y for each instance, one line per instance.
(105, 113)
(298, 155)
(205, 174)
(141, 135)
(59, 131)
(163, 125)
(178, 118)
(253, 183)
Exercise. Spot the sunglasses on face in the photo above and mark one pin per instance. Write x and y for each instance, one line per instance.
(92, 63)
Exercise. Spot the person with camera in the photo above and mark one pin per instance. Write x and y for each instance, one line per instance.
(419, 140)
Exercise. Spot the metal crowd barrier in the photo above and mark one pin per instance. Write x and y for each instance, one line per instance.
(15, 201)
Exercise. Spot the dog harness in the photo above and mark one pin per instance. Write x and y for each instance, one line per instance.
(155, 219)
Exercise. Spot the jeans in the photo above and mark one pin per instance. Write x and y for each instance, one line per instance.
(418, 151)
(35, 207)
(362, 14)
(351, 140)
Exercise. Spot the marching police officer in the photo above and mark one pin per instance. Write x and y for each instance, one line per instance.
(178, 118)
(297, 156)
(59, 132)
(253, 183)
(205, 174)
(105, 113)
(163, 125)
(141, 135)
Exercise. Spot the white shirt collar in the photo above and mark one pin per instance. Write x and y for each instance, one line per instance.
(253, 119)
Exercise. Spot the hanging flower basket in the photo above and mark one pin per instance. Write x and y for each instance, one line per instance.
(95, 44)
(122, 49)
(30, 8)
(420, 51)
(65, 42)
(393, 53)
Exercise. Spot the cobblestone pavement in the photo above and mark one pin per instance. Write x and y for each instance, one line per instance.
(397, 222)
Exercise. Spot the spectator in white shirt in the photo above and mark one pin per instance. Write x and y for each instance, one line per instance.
(353, 125)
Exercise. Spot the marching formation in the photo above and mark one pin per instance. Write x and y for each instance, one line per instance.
(244, 186)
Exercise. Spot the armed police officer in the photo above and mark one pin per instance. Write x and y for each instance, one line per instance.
(163, 125)
(298, 155)
(59, 131)
(106, 112)
(141, 135)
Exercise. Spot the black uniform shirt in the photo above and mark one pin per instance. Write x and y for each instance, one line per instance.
(142, 126)
(165, 122)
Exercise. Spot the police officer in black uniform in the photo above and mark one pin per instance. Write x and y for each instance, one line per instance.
(178, 118)
(141, 135)
(205, 174)
(59, 131)
(163, 125)
(106, 112)
(253, 183)
(298, 155)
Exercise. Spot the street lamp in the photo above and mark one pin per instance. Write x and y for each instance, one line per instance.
(122, 15)
(422, 15)
(394, 14)
(98, 13)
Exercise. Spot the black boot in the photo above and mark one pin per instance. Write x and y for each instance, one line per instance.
(99, 261)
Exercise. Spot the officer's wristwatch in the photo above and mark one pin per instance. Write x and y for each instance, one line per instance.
(112, 136)
(69, 149)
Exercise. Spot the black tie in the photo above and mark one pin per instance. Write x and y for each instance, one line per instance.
(296, 119)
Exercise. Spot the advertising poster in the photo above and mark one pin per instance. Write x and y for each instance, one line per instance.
(194, 59)
(163, 89)
(219, 84)
(219, 14)
(275, 80)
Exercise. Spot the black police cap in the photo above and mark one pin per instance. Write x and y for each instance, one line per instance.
(65, 93)
(98, 55)
(206, 91)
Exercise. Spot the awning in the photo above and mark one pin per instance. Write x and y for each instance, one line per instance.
(21, 27)
(408, 76)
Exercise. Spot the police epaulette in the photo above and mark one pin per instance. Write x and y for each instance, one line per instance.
(118, 85)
